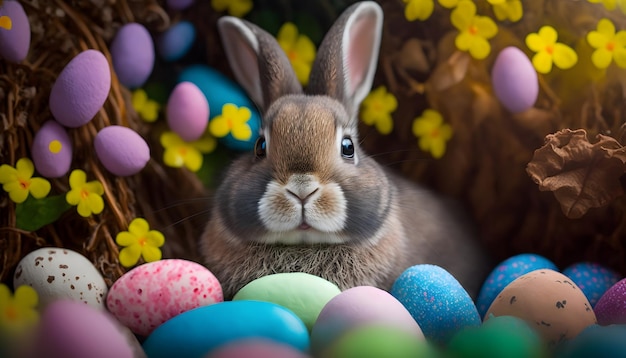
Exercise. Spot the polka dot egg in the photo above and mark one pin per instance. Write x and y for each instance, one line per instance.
(592, 278)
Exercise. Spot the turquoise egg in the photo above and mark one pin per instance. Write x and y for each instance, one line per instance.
(592, 278)
(596, 341)
(507, 271)
(176, 41)
(436, 300)
(220, 90)
(197, 332)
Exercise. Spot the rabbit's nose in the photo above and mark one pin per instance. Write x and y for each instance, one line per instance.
(303, 196)
(302, 187)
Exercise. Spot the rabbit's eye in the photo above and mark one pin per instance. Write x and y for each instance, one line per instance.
(347, 148)
(260, 147)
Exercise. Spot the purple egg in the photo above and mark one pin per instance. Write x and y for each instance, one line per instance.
(611, 307)
(14, 42)
(52, 150)
(121, 150)
(187, 111)
(176, 41)
(179, 4)
(81, 89)
(514, 80)
(592, 278)
(132, 51)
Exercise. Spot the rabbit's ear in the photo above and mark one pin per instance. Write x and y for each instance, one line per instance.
(259, 64)
(346, 61)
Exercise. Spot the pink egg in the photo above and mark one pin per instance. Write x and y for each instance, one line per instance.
(152, 293)
(72, 329)
(81, 89)
(257, 348)
(611, 307)
(121, 150)
(514, 80)
(132, 51)
(187, 111)
(52, 150)
(14, 41)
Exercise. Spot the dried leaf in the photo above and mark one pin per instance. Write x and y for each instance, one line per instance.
(582, 175)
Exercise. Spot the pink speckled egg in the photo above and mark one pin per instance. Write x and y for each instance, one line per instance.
(81, 89)
(611, 307)
(187, 111)
(52, 150)
(14, 32)
(121, 150)
(132, 51)
(150, 294)
(514, 80)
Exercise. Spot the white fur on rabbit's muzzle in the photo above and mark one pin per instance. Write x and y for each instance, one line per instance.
(303, 211)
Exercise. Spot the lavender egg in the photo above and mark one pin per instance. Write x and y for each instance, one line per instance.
(132, 51)
(179, 4)
(81, 89)
(514, 80)
(52, 150)
(121, 150)
(176, 41)
(187, 111)
(14, 32)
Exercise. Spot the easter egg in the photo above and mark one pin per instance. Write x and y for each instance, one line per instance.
(179, 4)
(436, 300)
(375, 342)
(257, 348)
(507, 271)
(302, 293)
(514, 80)
(121, 150)
(72, 329)
(197, 332)
(503, 336)
(132, 52)
(611, 307)
(58, 274)
(592, 278)
(187, 111)
(596, 341)
(548, 301)
(15, 32)
(152, 293)
(219, 90)
(176, 41)
(81, 89)
(52, 150)
(360, 306)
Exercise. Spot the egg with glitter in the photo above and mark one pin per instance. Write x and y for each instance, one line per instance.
(150, 294)
(436, 300)
(176, 41)
(187, 111)
(81, 89)
(52, 150)
(121, 150)
(592, 278)
(611, 307)
(514, 80)
(14, 32)
(132, 52)
(507, 271)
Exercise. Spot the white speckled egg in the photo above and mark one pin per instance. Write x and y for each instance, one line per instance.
(57, 274)
(132, 52)
(121, 150)
(150, 294)
(187, 111)
(15, 38)
(52, 150)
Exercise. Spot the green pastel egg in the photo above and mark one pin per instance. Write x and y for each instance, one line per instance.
(302, 293)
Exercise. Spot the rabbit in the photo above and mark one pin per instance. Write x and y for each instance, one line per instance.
(309, 199)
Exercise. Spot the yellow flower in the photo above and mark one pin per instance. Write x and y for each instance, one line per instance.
(238, 8)
(138, 241)
(179, 153)
(232, 120)
(608, 45)
(18, 312)
(6, 23)
(86, 195)
(507, 9)
(377, 109)
(19, 181)
(418, 9)
(299, 49)
(549, 51)
(611, 4)
(433, 134)
(449, 4)
(147, 109)
(474, 30)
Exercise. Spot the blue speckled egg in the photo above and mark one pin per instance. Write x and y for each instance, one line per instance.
(592, 278)
(596, 341)
(197, 332)
(220, 90)
(176, 41)
(507, 271)
(436, 300)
